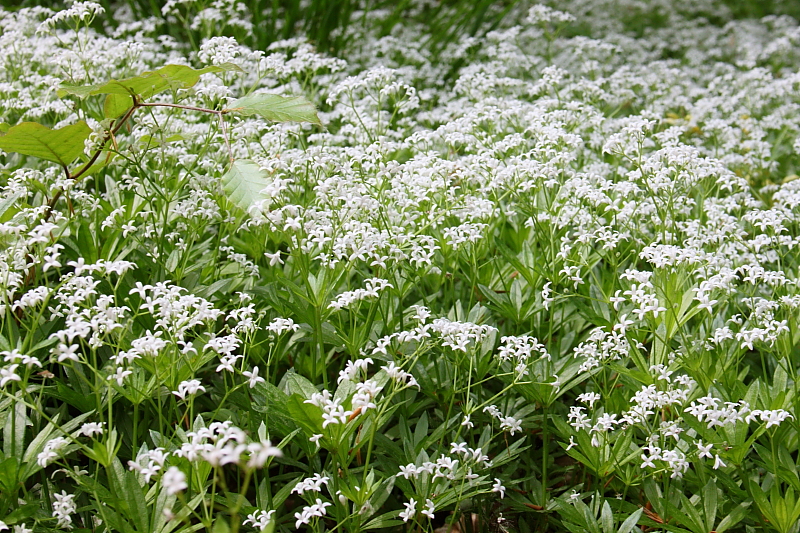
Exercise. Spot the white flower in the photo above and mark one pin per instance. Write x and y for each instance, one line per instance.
(253, 377)
(260, 519)
(191, 387)
(281, 325)
(51, 451)
(174, 480)
(119, 375)
(408, 471)
(510, 424)
(274, 259)
(429, 508)
(588, 397)
(91, 428)
(498, 487)
(318, 509)
(8, 374)
(411, 510)
(313, 483)
(63, 507)
(705, 450)
(260, 452)
(64, 352)
(79, 11)
(460, 447)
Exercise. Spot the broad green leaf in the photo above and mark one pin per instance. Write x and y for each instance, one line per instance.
(307, 416)
(60, 146)
(243, 183)
(276, 108)
(294, 383)
(143, 86)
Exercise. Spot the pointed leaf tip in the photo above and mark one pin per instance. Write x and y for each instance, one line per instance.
(276, 108)
(144, 85)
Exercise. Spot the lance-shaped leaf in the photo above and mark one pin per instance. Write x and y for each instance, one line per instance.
(276, 108)
(243, 183)
(60, 146)
(143, 86)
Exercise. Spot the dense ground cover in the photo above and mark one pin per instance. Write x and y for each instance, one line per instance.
(538, 275)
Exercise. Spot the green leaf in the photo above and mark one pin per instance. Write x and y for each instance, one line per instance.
(710, 503)
(220, 526)
(127, 489)
(147, 83)
(294, 383)
(630, 522)
(7, 209)
(60, 146)
(21, 513)
(761, 501)
(307, 416)
(143, 86)
(735, 516)
(243, 183)
(53, 429)
(8, 474)
(383, 521)
(276, 108)
(607, 518)
(14, 430)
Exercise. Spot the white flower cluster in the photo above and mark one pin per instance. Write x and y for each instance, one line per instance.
(410, 510)
(400, 376)
(459, 466)
(313, 484)
(79, 11)
(519, 349)
(189, 387)
(373, 286)
(279, 325)
(460, 335)
(507, 423)
(63, 508)
(601, 346)
(260, 519)
(318, 508)
(52, 450)
(717, 413)
(222, 443)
